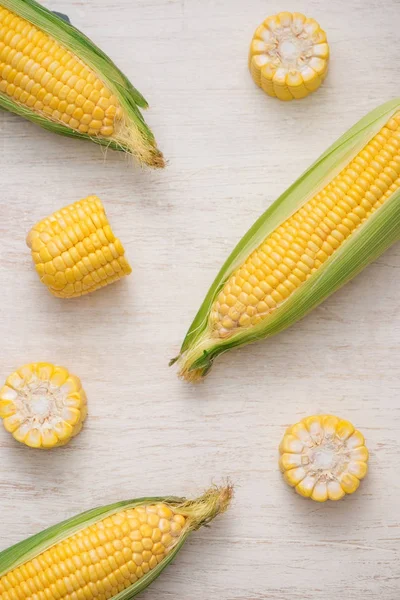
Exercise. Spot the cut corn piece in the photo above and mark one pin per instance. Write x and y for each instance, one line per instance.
(343, 212)
(43, 406)
(289, 56)
(106, 552)
(75, 251)
(328, 462)
(55, 76)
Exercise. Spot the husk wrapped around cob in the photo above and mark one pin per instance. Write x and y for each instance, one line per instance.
(341, 214)
(53, 75)
(111, 552)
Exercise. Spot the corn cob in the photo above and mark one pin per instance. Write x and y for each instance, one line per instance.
(323, 457)
(43, 405)
(289, 56)
(55, 76)
(343, 212)
(75, 251)
(114, 551)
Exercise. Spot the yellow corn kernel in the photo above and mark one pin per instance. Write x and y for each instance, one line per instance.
(64, 576)
(74, 250)
(320, 461)
(305, 241)
(58, 74)
(43, 405)
(289, 56)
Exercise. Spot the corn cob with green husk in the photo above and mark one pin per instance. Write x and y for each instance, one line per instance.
(53, 75)
(110, 552)
(341, 214)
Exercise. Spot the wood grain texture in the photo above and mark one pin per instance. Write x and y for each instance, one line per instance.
(231, 152)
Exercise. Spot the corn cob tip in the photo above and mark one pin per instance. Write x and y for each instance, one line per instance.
(204, 509)
(158, 160)
(141, 147)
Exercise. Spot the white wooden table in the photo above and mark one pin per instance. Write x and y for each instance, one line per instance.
(231, 152)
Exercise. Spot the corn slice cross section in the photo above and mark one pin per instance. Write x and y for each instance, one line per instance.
(289, 56)
(107, 551)
(343, 212)
(323, 457)
(43, 405)
(75, 251)
(53, 75)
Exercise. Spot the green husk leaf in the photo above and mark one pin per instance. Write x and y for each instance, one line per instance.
(31, 547)
(140, 140)
(370, 240)
(198, 512)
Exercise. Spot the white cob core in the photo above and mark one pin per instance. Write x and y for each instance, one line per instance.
(287, 48)
(39, 403)
(328, 458)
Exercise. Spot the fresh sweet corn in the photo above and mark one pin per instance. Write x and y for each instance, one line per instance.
(43, 406)
(289, 56)
(108, 551)
(343, 212)
(55, 76)
(323, 457)
(75, 251)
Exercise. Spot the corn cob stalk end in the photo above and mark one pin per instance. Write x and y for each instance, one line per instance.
(188, 360)
(204, 509)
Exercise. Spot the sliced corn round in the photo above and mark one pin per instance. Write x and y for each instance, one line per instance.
(43, 405)
(75, 251)
(323, 457)
(289, 56)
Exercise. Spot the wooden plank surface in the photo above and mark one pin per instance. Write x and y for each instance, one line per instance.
(231, 152)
